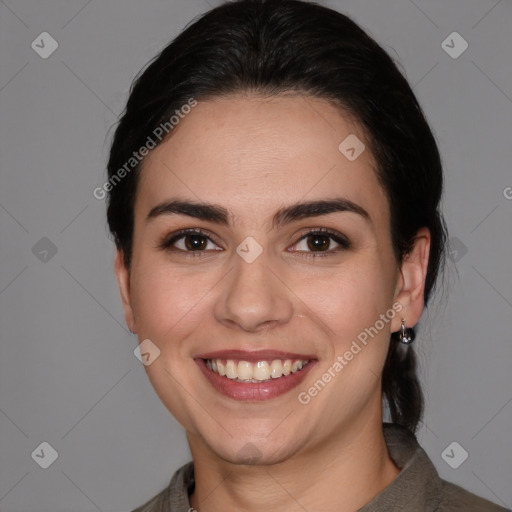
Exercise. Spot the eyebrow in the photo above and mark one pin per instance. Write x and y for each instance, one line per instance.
(219, 215)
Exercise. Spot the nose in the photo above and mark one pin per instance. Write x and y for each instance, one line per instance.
(254, 298)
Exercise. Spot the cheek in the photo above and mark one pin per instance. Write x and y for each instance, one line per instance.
(351, 305)
(351, 297)
(166, 302)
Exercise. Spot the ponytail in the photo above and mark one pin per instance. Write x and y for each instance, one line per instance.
(400, 384)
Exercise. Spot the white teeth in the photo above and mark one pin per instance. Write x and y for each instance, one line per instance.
(296, 366)
(261, 371)
(221, 369)
(276, 369)
(231, 369)
(245, 371)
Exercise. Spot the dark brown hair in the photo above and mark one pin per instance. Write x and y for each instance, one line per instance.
(275, 46)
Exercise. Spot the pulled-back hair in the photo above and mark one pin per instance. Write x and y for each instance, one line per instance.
(273, 46)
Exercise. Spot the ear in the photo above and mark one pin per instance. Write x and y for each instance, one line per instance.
(123, 281)
(411, 281)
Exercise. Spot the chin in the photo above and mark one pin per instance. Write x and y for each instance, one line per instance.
(254, 452)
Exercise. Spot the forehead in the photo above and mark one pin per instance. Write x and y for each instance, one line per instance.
(251, 154)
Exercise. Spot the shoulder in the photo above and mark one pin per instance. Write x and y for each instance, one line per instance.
(455, 499)
(418, 486)
(175, 496)
(158, 503)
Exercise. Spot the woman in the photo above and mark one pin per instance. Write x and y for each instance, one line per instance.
(274, 197)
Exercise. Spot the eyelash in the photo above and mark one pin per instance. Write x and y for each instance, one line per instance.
(342, 241)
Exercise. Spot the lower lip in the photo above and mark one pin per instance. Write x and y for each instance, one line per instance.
(254, 391)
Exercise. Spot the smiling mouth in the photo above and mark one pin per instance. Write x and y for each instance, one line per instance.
(257, 371)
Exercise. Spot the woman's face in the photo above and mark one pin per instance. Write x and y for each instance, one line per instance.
(289, 261)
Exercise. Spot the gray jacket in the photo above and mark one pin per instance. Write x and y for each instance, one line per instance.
(417, 488)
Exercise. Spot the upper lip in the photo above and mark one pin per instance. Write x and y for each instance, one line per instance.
(254, 355)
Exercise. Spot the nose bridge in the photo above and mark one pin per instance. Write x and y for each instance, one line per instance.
(253, 296)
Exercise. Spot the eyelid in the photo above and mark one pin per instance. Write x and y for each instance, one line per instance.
(339, 238)
(324, 231)
(167, 242)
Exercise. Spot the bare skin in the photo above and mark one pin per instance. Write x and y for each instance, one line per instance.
(253, 156)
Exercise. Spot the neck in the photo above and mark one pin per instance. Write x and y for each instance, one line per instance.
(342, 474)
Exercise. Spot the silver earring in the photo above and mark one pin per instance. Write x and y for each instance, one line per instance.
(405, 336)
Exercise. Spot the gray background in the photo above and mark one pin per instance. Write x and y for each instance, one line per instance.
(68, 375)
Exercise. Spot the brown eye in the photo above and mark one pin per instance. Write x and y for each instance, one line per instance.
(189, 241)
(195, 242)
(318, 242)
(321, 242)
